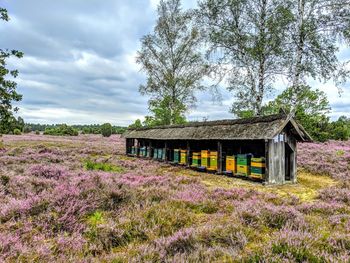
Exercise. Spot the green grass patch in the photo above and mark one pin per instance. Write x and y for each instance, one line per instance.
(105, 167)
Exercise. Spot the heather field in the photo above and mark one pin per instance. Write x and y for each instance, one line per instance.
(79, 199)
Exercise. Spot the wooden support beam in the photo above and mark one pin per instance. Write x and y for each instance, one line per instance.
(267, 162)
(166, 152)
(219, 158)
(188, 154)
(150, 150)
(138, 148)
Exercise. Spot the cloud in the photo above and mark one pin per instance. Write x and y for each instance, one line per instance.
(79, 64)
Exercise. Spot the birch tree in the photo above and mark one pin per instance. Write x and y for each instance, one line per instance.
(318, 29)
(247, 40)
(172, 60)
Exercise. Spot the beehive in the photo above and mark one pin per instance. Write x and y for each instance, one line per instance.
(155, 153)
(161, 154)
(148, 152)
(183, 157)
(142, 151)
(204, 158)
(213, 164)
(133, 150)
(243, 164)
(176, 155)
(257, 168)
(196, 159)
(231, 164)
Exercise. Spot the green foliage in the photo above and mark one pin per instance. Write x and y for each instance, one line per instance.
(27, 128)
(105, 167)
(246, 41)
(17, 132)
(311, 109)
(172, 60)
(96, 218)
(106, 130)
(340, 129)
(37, 132)
(164, 113)
(136, 125)
(8, 93)
(62, 130)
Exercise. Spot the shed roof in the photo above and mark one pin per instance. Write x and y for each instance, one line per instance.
(266, 127)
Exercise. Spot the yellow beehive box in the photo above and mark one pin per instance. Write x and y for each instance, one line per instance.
(243, 169)
(231, 164)
(205, 154)
(260, 165)
(183, 157)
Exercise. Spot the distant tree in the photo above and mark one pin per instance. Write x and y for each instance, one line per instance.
(247, 40)
(8, 93)
(340, 129)
(106, 130)
(314, 37)
(311, 109)
(27, 128)
(137, 124)
(172, 60)
(162, 112)
(61, 130)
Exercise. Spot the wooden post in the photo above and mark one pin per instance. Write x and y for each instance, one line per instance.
(126, 146)
(267, 162)
(188, 154)
(219, 158)
(138, 148)
(166, 152)
(150, 150)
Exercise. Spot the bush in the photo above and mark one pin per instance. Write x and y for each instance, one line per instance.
(62, 130)
(106, 130)
(17, 132)
(105, 167)
(27, 129)
(37, 132)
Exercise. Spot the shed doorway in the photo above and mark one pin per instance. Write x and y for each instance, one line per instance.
(289, 159)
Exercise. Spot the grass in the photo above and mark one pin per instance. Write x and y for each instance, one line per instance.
(306, 189)
(105, 167)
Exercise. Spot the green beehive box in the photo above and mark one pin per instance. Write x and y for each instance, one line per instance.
(155, 154)
(133, 150)
(257, 170)
(196, 159)
(176, 155)
(160, 154)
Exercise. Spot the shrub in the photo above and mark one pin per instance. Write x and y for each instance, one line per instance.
(17, 132)
(105, 167)
(37, 132)
(47, 171)
(62, 130)
(106, 130)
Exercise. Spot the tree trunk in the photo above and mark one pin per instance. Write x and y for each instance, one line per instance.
(300, 44)
(261, 84)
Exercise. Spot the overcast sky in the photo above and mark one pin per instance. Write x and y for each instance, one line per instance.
(79, 64)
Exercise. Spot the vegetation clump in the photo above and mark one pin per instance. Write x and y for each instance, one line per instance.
(105, 167)
(106, 130)
(62, 130)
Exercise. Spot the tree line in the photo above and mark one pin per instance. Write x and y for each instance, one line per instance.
(247, 46)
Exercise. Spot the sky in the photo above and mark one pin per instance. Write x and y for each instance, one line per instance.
(80, 67)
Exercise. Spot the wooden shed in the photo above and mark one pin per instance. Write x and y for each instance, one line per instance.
(272, 139)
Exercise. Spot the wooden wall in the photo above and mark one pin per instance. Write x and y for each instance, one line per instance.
(276, 159)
